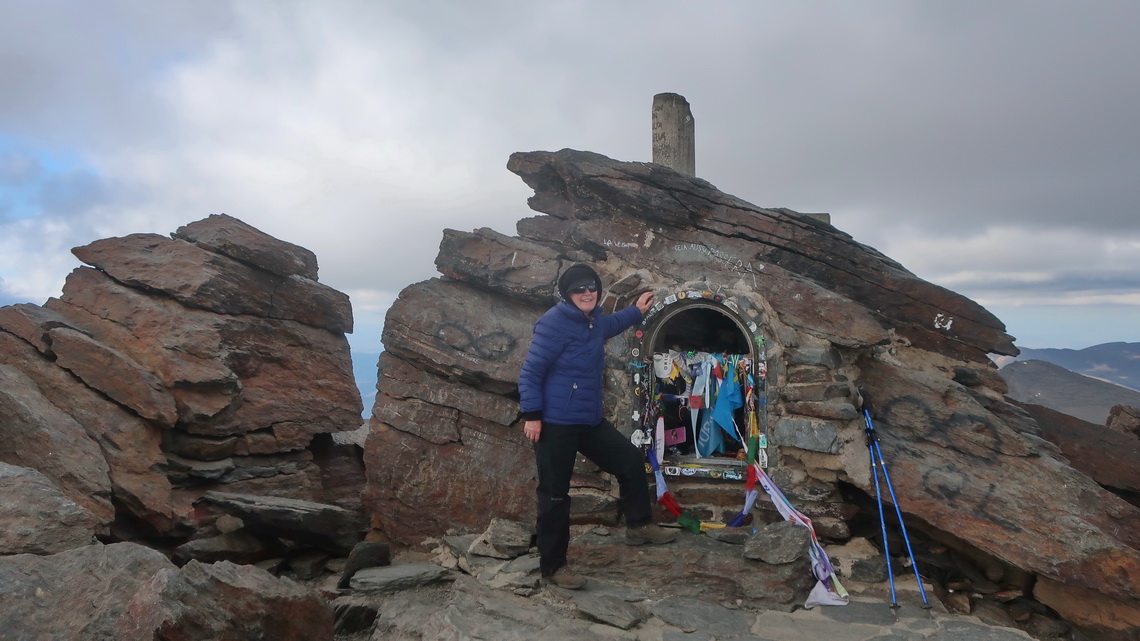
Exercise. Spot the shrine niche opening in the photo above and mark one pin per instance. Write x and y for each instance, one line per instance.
(701, 377)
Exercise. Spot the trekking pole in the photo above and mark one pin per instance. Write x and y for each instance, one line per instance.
(882, 520)
(879, 463)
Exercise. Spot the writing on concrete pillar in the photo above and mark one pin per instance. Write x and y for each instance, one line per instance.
(674, 133)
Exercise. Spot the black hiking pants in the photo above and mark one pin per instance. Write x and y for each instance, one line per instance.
(555, 452)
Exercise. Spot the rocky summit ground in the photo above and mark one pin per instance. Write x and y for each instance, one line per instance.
(503, 599)
(469, 609)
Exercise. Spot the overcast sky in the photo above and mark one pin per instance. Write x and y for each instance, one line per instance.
(990, 147)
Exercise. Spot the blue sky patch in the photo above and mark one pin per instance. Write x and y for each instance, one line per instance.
(41, 181)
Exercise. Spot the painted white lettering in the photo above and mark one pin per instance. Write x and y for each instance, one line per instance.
(621, 244)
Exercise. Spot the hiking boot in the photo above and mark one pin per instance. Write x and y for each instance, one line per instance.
(648, 533)
(566, 579)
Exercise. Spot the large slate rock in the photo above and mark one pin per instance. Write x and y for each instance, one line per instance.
(483, 345)
(78, 594)
(131, 446)
(325, 526)
(1115, 618)
(960, 468)
(1109, 457)
(113, 373)
(37, 517)
(224, 601)
(31, 323)
(404, 381)
(231, 237)
(394, 578)
(583, 186)
(39, 435)
(208, 361)
(427, 454)
(199, 278)
(228, 374)
(472, 611)
(507, 264)
(183, 378)
(175, 366)
(697, 567)
(694, 614)
(181, 346)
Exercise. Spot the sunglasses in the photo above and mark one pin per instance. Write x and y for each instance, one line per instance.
(584, 288)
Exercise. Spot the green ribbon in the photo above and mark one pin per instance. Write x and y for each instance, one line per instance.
(689, 522)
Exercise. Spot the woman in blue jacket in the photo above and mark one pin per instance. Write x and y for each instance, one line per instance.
(560, 390)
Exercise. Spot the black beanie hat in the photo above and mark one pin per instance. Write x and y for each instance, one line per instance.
(576, 276)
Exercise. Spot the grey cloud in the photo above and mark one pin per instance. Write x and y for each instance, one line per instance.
(1064, 281)
(78, 71)
(953, 123)
(910, 122)
(17, 168)
(72, 193)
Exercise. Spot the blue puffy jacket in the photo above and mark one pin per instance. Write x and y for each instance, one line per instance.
(561, 378)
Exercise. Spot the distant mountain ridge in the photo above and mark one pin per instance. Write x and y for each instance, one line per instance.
(1113, 362)
(1057, 388)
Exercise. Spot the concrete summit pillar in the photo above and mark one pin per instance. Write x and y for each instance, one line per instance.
(674, 141)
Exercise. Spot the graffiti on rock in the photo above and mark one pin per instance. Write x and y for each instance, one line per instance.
(726, 261)
(973, 434)
(493, 346)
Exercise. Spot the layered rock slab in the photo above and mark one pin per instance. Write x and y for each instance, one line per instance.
(39, 435)
(127, 591)
(207, 360)
(37, 517)
(574, 185)
(957, 465)
(224, 601)
(130, 445)
(432, 467)
(199, 278)
(1109, 457)
(231, 237)
(78, 594)
(325, 526)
